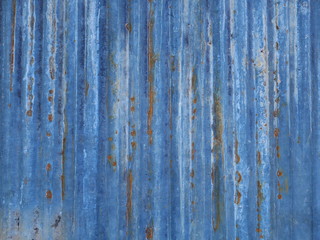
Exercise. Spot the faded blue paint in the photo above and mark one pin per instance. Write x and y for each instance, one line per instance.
(157, 119)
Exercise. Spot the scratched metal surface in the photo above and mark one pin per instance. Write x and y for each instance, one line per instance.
(159, 119)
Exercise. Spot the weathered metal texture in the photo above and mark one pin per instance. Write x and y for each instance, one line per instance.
(136, 119)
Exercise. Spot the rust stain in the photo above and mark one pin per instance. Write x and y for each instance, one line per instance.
(29, 113)
(13, 26)
(129, 197)
(50, 98)
(149, 233)
(152, 58)
(236, 149)
(276, 113)
(279, 173)
(133, 133)
(48, 134)
(192, 173)
(52, 69)
(87, 88)
(238, 197)
(50, 117)
(110, 139)
(132, 99)
(193, 80)
(51, 91)
(238, 177)
(194, 101)
(278, 151)
(172, 65)
(132, 109)
(48, 167)
(259, 158)
(276, 132)
(49, 194)
(63, 186)
(133, 145)
(260, 194)
(279, 196)
(193, 151)
(128, 27)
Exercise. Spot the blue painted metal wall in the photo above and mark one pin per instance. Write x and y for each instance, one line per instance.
(159, 119)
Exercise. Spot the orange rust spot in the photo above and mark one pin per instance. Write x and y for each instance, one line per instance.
(51, 91)
(279, 196)
(133, 133)
(236, 149)
(194, 100)
(279, 173)
(193, 151)
(114, 163)
(29, 113)
(193, 80)
(278, 148)
(132, 99)
(133, 144)
(49, 194)
(132, 109)
(109, 157)
(129, 27)
(193, 202)
(110, 139)
(277, 100)
(149, 232)
(48, 167)
(238, 198)
(194, 111)
(50, 98)
(261, 236)
(192, 173)
(259, 158)
(276, 132)
(193, 117)
(238, 177)
(129, 196)
(258, 230)
(259, 217)
(50, 117)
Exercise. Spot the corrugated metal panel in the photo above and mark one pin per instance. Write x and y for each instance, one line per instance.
(194, 119)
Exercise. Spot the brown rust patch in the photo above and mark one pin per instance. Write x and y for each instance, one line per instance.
(193, 151)
(50, 98)
(133, 145)
(129, 196)
(13, 27)
(128, 27)
(260, 194)
(63, 185)
(133, 133)
(238, 177)
(194, 101)
(48, 134)
(50, 117)
(259, 158)
(279, 173)
(149, 232)
(49, 194)
(192, 173)
(238, 197)
(152, 58)
(132, 99)
(132, 109)
(48, 167)
(276, 113)
(193, 80)
(276, 132)
(110, 139)
(279, 196)
(51, 91)
(236, 149)
(29, 113)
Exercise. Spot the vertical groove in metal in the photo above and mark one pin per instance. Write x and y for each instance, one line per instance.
(159, 119)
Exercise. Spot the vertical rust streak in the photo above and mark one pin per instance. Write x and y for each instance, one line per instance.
(13, 27)
(151, 64)
(217, 167)
(129, 197)
(149, 233)
(236, 149)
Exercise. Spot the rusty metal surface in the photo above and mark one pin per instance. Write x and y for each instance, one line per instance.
(159, 119)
